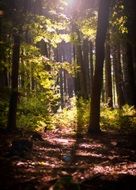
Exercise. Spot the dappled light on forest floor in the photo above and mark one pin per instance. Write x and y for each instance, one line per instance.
(60, 154)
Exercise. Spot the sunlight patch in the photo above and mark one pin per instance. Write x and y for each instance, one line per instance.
(85, 153)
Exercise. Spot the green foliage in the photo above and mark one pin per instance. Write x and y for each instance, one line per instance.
(118, 22)
(66, 117)
(120, 119)
(111, 119)
(37, 103)
(83, 114)
(36, 111)
(119, 19)
(88, 27)
(48, 29)
(3, 111)
(77, 115)
(4, 105)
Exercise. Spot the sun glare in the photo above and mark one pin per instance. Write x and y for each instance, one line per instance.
(70, 2)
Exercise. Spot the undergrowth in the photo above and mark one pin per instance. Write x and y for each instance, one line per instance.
(119, 119)
(36, 113)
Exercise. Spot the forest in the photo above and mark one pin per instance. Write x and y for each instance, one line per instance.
(67, 94)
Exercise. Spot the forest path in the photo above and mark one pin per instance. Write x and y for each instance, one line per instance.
(62, 153)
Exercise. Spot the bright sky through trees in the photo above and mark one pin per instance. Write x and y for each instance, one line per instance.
(70, 1)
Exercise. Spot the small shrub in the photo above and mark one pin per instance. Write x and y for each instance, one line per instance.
(76, 116)
(121, 119)
(66, 117)
(35, 112)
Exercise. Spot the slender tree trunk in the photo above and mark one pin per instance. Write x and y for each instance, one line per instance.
(22, 73)
(91, 66)
(82, 73)
(118, 75)
(103, 18)
(58, 57)
(62, 87)
(108, 78)
(86, 66)
(77, 77)
(65, 85)
(71, 86)
(14, 84)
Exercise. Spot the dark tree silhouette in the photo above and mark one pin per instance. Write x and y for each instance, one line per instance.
(130, 10)
(103, 18)
(14, 83)
(108, 78)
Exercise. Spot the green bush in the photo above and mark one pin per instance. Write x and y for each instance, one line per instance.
(35, 112)
(4, 104)
(77, 116)
(121, 119)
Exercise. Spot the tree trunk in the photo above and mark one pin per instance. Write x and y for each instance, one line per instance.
(130, 10)
(62, 87)
(118, 75)
(91, 66)
(108, 79)
(134, 62)
(129, 78)
(103, 18)
(86, 66)
(14, 84)
(82, 72)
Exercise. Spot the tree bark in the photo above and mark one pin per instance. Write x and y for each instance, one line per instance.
(82, 72)
(108, 79)
(118, 75)
(86, 66)
(14, 84)
(91, 66)
(130, 10)
(103, 18)
(129, 77)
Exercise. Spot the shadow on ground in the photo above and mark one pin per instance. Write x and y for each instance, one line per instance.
(105, 162)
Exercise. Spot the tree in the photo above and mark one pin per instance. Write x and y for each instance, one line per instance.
(14, 83)
(130, 84)
(103, 17)
(108, 78)
(16, 12)
(86, 65)
(82, 63)
(91, 65)
(118, 74)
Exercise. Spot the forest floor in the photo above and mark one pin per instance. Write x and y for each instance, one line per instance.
(61, 160)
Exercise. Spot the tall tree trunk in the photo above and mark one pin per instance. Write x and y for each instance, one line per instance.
(77, 77)
(58, 57)
(62, 87)
(134, 61)
(65, 85)
(118, 75)
(108, 78)
(129, 77)
(103, 18)
(86, 65)
(82, 72)
(130, 10)
(14, 84)
(91, 66)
